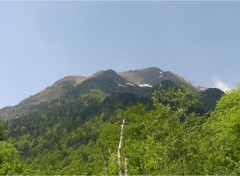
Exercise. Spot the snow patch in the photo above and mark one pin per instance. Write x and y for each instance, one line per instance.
(130, 84)
(145, 85)
(202, 89)
(161, 74)
(120, 85)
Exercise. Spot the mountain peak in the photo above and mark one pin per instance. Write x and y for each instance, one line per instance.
(104, 73)
(153, 76)
(109, 76)
(150, 76)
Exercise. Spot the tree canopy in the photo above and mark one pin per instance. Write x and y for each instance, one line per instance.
(163, 135)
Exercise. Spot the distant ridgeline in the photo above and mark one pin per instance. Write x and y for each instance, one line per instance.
(141, 82)
(72, 127)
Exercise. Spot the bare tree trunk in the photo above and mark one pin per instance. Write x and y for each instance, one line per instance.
(120, 148)
(105, 161)
(126, 165)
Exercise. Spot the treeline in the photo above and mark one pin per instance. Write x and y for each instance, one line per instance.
(167, 134)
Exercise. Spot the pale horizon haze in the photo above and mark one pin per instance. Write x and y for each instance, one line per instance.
(42, 42)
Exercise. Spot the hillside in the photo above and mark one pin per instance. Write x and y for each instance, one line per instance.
(62, 129)
(138, 81)
(47, 95)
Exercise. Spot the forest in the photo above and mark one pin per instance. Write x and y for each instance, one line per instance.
(96, 133)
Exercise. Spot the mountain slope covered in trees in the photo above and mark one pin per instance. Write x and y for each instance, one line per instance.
(169, 129)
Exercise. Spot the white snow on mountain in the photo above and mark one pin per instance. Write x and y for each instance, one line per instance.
(120, 85)
(130, 84)
(145, 85)
(161, 74)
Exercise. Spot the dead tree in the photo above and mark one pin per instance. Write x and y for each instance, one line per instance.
(120, 148)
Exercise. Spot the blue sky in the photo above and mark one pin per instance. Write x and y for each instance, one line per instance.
(41, 42)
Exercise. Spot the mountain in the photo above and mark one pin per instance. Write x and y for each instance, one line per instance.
(154, 76)
(47, 95)
(66, 128)
(52, 92)
(209, 97)
(140, 82)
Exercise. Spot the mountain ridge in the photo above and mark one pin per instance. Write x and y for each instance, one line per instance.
(137, 81)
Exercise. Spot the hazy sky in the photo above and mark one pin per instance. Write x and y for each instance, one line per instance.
(41, 42)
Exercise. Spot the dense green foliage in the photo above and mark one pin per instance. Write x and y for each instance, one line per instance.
(10, 160)
(79, 134)
(1, 131)
(10, 163)
(222, 133)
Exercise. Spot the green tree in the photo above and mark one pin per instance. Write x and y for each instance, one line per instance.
(1, 131)
(10, 162)
(164, 140)
(222, 134)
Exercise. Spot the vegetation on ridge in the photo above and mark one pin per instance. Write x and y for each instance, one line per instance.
(79, 134)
